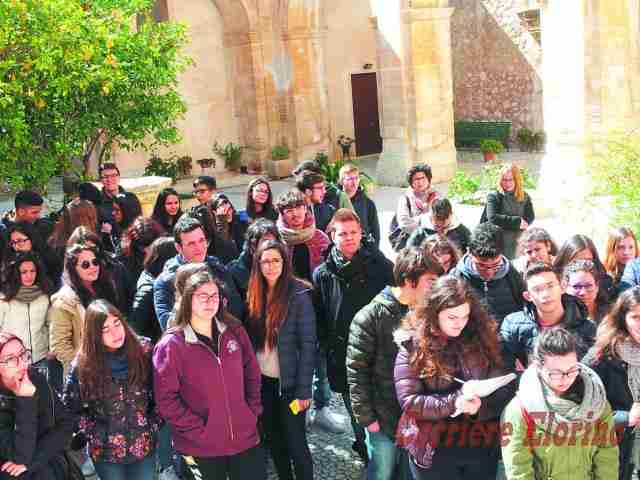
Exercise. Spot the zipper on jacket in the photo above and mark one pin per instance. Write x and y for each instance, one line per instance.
(224, 385)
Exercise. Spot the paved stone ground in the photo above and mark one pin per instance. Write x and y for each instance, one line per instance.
(332, 456)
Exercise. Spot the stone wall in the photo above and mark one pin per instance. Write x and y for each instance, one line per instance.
(496, 65)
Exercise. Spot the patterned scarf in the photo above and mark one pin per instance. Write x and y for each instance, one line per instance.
(629, 352)
(296, 237)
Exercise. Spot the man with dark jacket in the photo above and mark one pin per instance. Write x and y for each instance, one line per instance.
(191, 244)
(333, 195)
(313, 188)
(490, 274)
(442, 222)
(371, 359)
(351, 276)
(110, 176)
(362, 204)
(28, 209)
(546, 307)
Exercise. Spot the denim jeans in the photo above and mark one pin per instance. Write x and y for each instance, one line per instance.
(386, 460)
(142, 470)
(321, 387)
(247, 465)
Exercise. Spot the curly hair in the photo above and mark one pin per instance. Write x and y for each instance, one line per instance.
(478, 336)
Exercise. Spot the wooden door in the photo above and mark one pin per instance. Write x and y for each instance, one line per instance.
(364, 88)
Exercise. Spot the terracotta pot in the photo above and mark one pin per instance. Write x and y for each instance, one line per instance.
(489, 156)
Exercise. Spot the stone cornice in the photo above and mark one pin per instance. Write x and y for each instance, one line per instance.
(303, 34)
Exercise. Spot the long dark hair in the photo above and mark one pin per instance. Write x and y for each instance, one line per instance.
(160, 214)
(12, 285)
(267, 310)
(571, 247)
(93, 370)
(184, 310)
(130, 206)
(269, 210)
(613, 328)
(140, 234)
(104, 286)
(76, 213)
(161, 250)
(478, 336)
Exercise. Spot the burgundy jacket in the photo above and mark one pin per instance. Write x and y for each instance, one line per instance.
(427, 402)
(211, 402)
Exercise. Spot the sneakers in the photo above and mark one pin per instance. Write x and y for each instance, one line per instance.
(332, 422)
(168, 473)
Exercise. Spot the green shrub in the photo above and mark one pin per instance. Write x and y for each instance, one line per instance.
(279, 152)
(616, 173)
(331, 171)
(162, 167)
(231, 154)
(491, 146)
(471, 189)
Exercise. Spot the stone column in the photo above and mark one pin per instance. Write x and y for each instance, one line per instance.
(416, 89)
(308, 101)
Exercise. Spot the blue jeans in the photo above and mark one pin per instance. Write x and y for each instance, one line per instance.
(320, 386)
(386, 460)
(142, 470)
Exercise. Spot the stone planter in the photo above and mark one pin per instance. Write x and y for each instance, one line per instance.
(279, 168)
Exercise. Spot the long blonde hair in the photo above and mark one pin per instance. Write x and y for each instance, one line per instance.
(518, 190)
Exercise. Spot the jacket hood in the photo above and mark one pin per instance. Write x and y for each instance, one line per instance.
(575, 312)
(66, 297)
(465, 267)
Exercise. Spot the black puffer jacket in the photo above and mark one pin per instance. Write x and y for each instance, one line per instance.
(143, 318)
(368, 213)
(240, 270)
(339, 293)
(34, 431)
(519, 330)
(323, 213)
(297, 343)
(502, 294)
(371, 357)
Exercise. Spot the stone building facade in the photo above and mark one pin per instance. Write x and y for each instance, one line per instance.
(272, 72)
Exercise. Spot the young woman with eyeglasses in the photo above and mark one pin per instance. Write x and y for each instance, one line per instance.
(110, 391)
(84, 280)
(282, 327)
(35, 428)
(455, 343)
(260, 201)
(207, 386)
(581, 279)
(560, 424)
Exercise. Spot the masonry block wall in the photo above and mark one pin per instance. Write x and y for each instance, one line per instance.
(496, 65)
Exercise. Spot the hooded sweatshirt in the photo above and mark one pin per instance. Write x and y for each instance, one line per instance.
(502, 294)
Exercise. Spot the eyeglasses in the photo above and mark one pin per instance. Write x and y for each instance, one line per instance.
(204, 298)
(109, 176)
(585, 287)
(14, 362)
(557, 375)
(269, 263)
(86, 264)
(487, 267)
(20, 241)
(351, 179)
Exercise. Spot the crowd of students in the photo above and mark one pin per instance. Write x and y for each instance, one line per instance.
(192, 343)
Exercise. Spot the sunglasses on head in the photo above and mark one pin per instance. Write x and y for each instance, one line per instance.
(86, 264)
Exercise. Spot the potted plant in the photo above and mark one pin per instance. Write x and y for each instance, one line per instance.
(280, 164)
(490, 148)
(231, 154)
(206, 163)
(184, 165)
